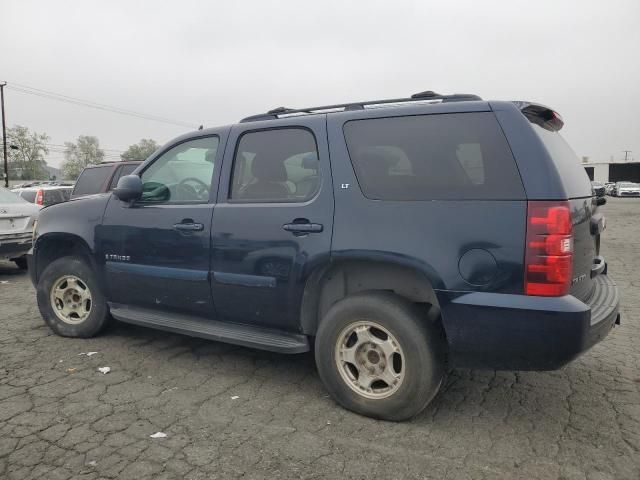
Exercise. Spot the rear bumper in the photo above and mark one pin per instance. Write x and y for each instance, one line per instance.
(14, 246)
(517, 332)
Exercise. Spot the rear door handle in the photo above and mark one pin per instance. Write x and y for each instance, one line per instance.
(189, 227)
(303, 227)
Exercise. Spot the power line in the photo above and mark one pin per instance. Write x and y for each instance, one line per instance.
(88, 103)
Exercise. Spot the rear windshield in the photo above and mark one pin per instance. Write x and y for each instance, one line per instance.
(459, 156)
(574, 177)
(91, 180)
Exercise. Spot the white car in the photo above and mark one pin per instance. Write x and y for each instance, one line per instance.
(627, 189)
(17, 217)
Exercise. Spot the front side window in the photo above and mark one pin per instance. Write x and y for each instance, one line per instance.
(183, 174)
(449, 156)
(279, 165)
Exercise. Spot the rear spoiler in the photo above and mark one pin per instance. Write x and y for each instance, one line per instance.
(541, 115)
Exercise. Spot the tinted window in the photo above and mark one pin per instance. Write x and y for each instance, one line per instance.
(182, 174)
(29, 195)
(278, 165)
(91, 180)
(450, 156)
(53, 196)
(122, 171)
(574, 177)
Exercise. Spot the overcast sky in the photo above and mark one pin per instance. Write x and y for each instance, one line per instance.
(215, 62)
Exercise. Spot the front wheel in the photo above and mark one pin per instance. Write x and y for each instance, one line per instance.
(380, 355)
(70, 299)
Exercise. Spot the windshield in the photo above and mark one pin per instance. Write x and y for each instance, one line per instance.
(627, 184)
(9, 197)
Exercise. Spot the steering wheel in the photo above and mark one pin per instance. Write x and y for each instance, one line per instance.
(200, 191)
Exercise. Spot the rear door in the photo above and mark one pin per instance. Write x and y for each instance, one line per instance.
(273, 220)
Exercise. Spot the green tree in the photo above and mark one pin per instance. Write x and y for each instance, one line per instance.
(86, 151)
(26, 162)
(140, 151)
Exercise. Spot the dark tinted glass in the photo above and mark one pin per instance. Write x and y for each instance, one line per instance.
(29, 195)
(122, 171)
(574, 177)
(449, 156)
(276, 166)
(53, 196)
(91, 180)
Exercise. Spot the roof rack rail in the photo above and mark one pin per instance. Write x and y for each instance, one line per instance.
(417, 97)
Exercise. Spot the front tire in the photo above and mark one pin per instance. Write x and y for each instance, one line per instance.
(70, 299)
(380, 355)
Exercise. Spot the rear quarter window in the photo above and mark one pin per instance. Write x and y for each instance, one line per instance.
(457, 156)
(91, 180)
(574, 177)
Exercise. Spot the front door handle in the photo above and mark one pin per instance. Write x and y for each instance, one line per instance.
(189, 227)
(298, 228)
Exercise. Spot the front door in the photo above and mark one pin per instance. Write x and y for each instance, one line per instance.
(273, 220)
(157, 250)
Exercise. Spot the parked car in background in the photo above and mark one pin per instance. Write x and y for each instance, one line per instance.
(44, 195)
(17, 217)
(627, 189)
(101, 178)
(608, 187)
(598, 189)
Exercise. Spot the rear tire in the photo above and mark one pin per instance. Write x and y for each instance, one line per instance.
(380, 355)
(70, 299)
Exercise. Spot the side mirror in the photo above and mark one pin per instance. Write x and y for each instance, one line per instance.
(129, 188)
(601, 201)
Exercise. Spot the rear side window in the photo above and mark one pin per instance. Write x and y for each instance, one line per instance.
(459, 156)
(91, 180)
(574, 177)
(279, 165)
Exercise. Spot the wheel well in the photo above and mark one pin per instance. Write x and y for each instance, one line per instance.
(328, 286)
(57, 246)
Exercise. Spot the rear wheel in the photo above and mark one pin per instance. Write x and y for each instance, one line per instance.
(380, 356)
(70, 299)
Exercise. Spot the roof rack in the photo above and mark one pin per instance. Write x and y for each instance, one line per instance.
(343, 107)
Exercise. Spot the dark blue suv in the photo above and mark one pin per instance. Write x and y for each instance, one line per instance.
(396, 238)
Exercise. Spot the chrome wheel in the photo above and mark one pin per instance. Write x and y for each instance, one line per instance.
(370, 359)
(71, 299)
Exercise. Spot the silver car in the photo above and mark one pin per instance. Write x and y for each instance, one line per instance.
(17, 217)
(627, 189)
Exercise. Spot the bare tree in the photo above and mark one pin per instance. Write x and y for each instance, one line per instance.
(86, 151)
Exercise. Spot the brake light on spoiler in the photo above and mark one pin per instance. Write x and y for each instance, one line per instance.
(549, 249)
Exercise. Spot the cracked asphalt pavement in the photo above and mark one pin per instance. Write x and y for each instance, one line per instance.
(231, 412)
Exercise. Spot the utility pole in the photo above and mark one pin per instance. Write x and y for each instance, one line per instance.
(626, 155)
(4, 137)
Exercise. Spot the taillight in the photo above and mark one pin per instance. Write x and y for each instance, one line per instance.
(40, 197)
(549, 249)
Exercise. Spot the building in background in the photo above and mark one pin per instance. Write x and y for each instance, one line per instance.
(612, 171)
